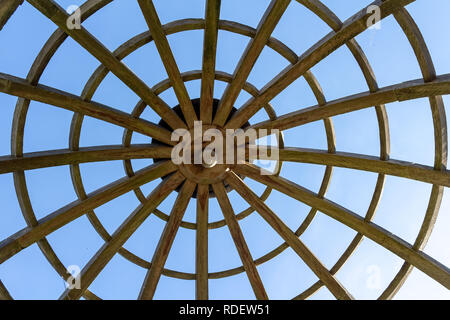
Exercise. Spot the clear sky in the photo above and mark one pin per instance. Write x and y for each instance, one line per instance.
(401, 210)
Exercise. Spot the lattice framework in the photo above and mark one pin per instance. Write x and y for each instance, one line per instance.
(343, 33)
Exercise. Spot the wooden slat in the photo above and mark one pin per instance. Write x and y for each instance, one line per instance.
(400, 92)
(239, 242)
(334, 40)
(160, 39)
(289, 236)
(122, 234)
(392, 167)
(53, 158)
(21, 88)
(165, 242)
(265, 28)
(201, 248)
(398, 246)
(76, 209)
(212, 14)
(54, 12)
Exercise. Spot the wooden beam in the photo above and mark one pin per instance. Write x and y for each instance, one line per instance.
(319, 51)
(59, 218)
(53, 158)
(7, 8)
(21, 88)
(254, 48)
(54, 12)
(162, 44)
(391, 167)
(400, 92)
(165, 242)
(4, 294)
(201, 247)
(122, 234)
(212, 14)
(239, 242)
(289, 236)
(398, 246)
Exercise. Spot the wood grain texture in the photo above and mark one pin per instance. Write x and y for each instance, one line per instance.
(212, 15)
(201, 243)
(239, 242)
(165, 242)
(53, 158)
(392, 167)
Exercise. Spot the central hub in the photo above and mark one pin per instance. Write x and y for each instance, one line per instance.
(201, 169)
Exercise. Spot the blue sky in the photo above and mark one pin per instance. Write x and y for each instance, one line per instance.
(401, 209)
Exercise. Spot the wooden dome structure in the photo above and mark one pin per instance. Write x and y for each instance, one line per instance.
(198, 187)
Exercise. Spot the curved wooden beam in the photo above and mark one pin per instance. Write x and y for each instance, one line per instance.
(391, 167)
(425, 62)
(21, 88)
(54, 12)
(122, 234)
(254, 48)
(151, 17)
(290, 237)
(212, 15)
(165, 242)
(201, 243)
(400, 92)
(7, 8)
(401, 248)
(334, 40)
(27, 236)
(239, 241)
(53, 158)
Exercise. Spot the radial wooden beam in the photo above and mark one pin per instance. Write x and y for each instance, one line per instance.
(76, 209)
(53, 158)
(201, 247)
(400, 92)
(165, 242)
(7, 8)
(212, 14)
(334, 40)
(162, 44)
(397, 168)
(122, 234)
(239, 242)
(57, 14)
(404, 250)
(265, 28)
(21, 88)
(289, 236)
